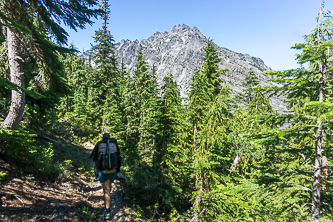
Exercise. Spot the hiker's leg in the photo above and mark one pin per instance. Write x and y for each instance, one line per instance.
(107, 189)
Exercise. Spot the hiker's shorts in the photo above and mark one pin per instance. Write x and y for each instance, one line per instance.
(104, 177)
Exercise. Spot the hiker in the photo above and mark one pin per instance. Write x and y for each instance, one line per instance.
(107, 166)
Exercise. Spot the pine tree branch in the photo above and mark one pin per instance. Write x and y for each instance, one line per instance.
(312, 126)
(197, 215)
(307, 189)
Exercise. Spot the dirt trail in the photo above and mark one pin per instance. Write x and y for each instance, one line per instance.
(26, 199)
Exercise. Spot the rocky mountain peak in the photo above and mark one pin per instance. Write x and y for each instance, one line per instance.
(186, 30)
(180, 51)
(180, 28)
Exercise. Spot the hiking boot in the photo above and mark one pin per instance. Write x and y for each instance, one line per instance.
(107, 215)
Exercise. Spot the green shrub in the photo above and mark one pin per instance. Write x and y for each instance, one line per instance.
(20, 147)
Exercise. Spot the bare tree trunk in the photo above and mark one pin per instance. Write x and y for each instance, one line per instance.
(234, 164)
(324, 168)
(316, 185)
(17, 77)
(201, 189)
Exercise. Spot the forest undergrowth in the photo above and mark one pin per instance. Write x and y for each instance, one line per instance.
(54, 181)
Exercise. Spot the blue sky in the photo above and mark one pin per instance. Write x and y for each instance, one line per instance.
(261, 28)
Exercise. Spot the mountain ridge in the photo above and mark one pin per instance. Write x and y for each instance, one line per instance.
(179, 52)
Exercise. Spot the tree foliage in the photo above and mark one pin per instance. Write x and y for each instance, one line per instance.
(214, 156)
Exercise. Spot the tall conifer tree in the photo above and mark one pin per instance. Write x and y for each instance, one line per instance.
(209, 111)
(76, 76)
(141, 130)
(170, 109)
(309, 99)
(254, 106)
(32, 15)
(107, 80)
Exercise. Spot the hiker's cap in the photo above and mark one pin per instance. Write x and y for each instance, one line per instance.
(106, 136)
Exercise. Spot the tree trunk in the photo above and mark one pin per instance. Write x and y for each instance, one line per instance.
(316, 185)
(201, 189)
(195, 130)
(17, 77)
(234, 164)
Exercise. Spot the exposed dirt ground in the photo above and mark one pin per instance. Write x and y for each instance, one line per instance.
(26, 199)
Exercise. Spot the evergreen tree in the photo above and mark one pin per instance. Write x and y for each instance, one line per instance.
(123, 77)
(75, 78)
(105, 90)
(130, 111)
(170, 108)
(141, 130)
(250, 81)
(32, 16)
(169, 121)
(141, 86)
(210, 114)
(254, 106)
(307, 136)
(75, 106)
(146, 91)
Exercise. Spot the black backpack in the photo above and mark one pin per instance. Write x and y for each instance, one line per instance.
(108, 159)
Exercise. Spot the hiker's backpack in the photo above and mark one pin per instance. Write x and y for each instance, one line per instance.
(108, 159)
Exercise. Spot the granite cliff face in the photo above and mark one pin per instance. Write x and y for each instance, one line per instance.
(180, 51)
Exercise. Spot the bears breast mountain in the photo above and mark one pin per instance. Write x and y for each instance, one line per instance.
(179, 52)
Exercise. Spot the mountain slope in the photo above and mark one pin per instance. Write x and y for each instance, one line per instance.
(180, 51)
